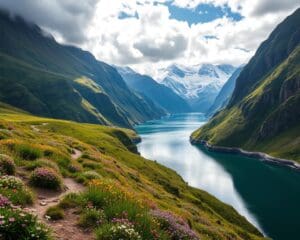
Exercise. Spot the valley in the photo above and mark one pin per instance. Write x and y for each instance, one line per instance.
(187, 134)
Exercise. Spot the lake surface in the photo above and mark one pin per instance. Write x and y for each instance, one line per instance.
(267, 195)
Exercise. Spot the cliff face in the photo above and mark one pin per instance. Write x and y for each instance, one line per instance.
(264, 115)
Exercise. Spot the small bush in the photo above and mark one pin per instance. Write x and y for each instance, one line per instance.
(74, 168)
(91, 165)
(4, 201)
(71, 200)
(42, 163)
(14, 189)
(28, 152)
(91, 175)
(55, 213)
(46, 178)
(176, 227)
(91, 218)
(117, 231)
(18, 224)
(7, 165)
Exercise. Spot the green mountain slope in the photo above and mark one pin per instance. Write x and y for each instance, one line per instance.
(49, 79)
(264, 114)
(109, 152)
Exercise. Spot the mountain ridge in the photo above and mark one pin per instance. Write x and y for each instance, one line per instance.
(27, 52)
(198, 85)
(266, 119)
(163, 96)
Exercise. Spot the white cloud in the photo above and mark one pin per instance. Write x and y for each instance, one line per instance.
(153, 40)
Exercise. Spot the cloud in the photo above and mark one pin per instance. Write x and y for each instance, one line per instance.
(66, 19)
(146, 38)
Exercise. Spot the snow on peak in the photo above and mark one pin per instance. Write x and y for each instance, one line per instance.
(190, 81)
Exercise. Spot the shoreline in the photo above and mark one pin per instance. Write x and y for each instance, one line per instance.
(257, 155)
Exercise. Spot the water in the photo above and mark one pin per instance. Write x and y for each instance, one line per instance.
(267, 195)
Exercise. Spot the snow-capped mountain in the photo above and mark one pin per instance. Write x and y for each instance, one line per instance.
(199, 84)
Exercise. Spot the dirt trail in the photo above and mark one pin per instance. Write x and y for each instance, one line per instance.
(46, 198)
(76, 154)
(66, 228)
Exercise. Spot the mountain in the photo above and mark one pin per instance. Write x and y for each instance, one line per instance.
(198, 85)
(46, 78)
(225, 93)
(263, 113)
(158, 93)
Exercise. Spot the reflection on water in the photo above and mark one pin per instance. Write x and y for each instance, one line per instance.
(255, 189)
(167, 141)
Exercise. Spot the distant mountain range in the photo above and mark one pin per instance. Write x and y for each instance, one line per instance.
(161, 95)
(198, 85)
(49, 79)
(263, 113)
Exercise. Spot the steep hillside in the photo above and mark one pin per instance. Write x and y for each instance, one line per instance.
(198, 85)
(49, 79)
(133, 184)
(225, 93)
(264, 114)
(158, 93)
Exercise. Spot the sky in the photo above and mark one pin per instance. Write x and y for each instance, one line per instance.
(151, 34)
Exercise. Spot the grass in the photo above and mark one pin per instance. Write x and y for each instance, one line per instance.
(264, 120)
(108, 152)
(55, 213)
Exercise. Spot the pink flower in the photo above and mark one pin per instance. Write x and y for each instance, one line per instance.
(11, 219)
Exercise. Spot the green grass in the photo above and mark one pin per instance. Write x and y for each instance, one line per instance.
(264, 120)
(109, 152)
(55, 213)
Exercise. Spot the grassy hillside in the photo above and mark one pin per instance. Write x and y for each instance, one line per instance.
(41, 76)
(267, 119)
(109, 153)
(263, 113)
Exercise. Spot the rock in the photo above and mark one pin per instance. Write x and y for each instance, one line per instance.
(43, 203)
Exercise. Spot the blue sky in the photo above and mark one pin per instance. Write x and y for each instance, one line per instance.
(202, 13)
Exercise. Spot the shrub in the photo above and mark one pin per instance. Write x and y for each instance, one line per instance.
(14, 189)
(46, 178)
(91, 165)
(118, 204)
(74, 168)
(4, 201)
(55, 213)
(176, 227)
(70, 200)
(91, 175)
(42, 163)
(91, 217)
(28, 152)
(18, 224)
(117, 231)
(7, 165)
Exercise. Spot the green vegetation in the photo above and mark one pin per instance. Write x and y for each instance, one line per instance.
(126, 185)
(46, 178)
(48, 79)
(54, 213)
(7, 165)
(18, 224)
(91, 218)
(266, 117)
(15, 190)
